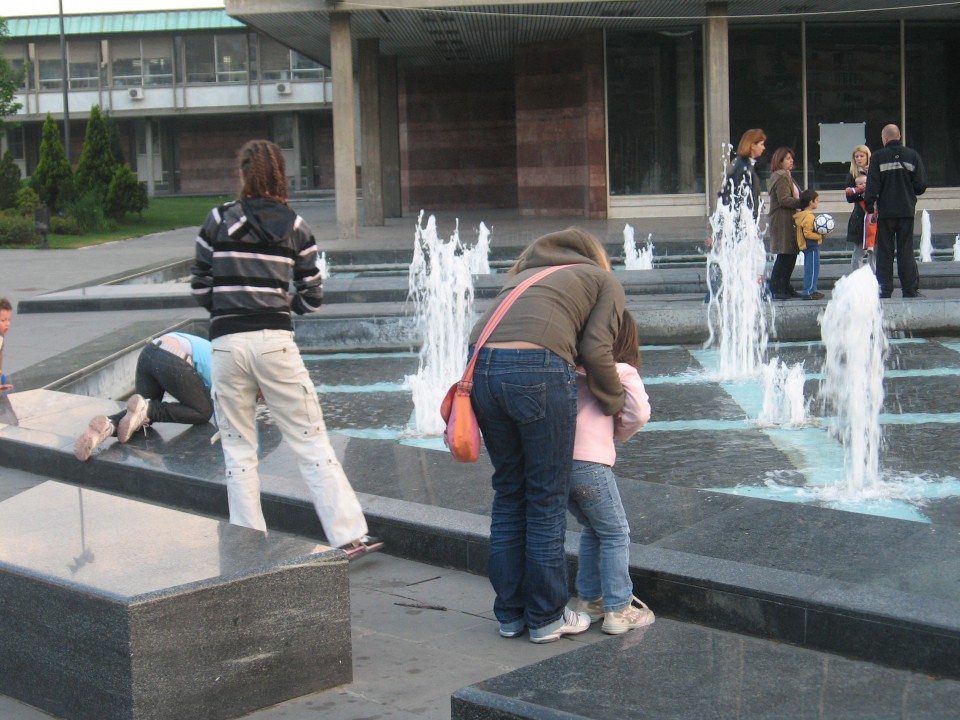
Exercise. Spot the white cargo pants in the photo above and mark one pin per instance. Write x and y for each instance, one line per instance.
(269, 360)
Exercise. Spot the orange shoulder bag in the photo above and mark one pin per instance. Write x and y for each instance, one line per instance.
(462, 435)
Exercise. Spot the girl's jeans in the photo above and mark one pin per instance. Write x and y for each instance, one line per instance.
(605, 539)
(811, 268)
(526, 405)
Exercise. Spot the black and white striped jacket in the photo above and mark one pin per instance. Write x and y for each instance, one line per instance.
(256, 261)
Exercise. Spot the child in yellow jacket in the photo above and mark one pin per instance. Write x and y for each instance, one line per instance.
(809, 242)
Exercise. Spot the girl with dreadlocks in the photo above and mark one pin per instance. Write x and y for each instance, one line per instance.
(248, 253)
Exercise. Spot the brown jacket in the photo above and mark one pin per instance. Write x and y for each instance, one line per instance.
(784, 202)
(574, 312)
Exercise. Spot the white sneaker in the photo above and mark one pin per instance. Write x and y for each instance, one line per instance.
(99, 430)
(617, 623)
(574, 623)
(135, 418)
(593, 608)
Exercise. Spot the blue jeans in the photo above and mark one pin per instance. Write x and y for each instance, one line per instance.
(811, 268)
(605, 539)
(526, 405)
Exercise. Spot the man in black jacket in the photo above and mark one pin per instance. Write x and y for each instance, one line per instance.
(895, 178)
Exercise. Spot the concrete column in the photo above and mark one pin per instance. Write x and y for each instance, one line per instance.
(368, 51)
(716, 58)
(390, 137)
(148, 137)
(344, 123)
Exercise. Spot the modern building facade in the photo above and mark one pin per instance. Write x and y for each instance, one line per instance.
(620, 109)
(581, 109)
(185, 88)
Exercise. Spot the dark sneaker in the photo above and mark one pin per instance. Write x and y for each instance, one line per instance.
(362, 546)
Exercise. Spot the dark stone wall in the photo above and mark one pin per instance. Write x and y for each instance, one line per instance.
(561, 133)
(458, 144)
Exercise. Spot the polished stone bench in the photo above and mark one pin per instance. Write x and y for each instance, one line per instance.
(112, 608)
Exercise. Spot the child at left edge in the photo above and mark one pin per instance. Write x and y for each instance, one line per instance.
(6, 315)
(809, 242)
(603, 577)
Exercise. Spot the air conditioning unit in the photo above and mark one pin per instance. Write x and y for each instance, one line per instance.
(136, 93)
(284, 89)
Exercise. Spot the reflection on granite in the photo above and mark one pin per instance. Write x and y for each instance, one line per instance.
(114, 608)
(670, 670)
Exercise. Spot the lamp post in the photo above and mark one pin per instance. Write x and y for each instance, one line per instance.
(63, 72)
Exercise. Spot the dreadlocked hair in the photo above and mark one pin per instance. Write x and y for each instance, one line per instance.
(264, 170)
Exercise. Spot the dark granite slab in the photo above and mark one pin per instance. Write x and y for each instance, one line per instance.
(114, 608)
(676, 671)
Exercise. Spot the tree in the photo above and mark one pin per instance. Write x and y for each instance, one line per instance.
(97, 163)
(53, 174)
(9, 181)
(9, 81)
(116, 144)
(125, 194)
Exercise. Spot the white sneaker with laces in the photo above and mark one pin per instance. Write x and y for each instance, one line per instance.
(593, 608)
(617, 623)
(99, 430)
(574, 623)
(135, 418)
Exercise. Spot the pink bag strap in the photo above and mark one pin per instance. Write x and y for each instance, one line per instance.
(501, 311)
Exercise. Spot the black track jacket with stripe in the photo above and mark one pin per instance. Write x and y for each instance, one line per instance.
(256, 261)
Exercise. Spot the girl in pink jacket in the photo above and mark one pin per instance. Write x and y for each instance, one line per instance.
(603, 578)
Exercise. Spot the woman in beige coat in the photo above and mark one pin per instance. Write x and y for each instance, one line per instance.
(784, 202)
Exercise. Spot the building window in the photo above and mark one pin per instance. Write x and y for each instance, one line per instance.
(765, 90)
(200, 58)
(280, 63)
(16, 55)
(933, 99)
(83, 61)
(303, 68)
(127, 62)
(49, 67)
(283, 128)
(231, 58)
(15, 143)
(852, 76)
(655, 111)
(157, 61)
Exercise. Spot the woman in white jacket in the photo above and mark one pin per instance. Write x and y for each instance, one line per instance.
(603, 578)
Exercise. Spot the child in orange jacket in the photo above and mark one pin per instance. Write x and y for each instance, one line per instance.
(809, 243)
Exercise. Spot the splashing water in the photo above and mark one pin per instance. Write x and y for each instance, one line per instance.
(735, 267)
(956, 248)
(783, 401)
(855, 344)
(926, 244)
(479, 254)
(441, 287)
(636, 258)
(322, 265)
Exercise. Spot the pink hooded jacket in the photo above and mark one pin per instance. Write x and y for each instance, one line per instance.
(596, 431)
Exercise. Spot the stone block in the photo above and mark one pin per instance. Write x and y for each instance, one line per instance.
(112, 608)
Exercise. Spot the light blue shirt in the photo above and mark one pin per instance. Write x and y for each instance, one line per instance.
(201, 350)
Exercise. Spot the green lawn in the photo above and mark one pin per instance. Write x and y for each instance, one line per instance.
(164, 213)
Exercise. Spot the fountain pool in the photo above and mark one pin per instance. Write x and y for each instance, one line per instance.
(704, 433)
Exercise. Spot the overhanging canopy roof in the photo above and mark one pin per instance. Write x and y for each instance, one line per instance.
(435, 32)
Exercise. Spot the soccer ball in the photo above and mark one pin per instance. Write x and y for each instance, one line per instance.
(823, 224)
